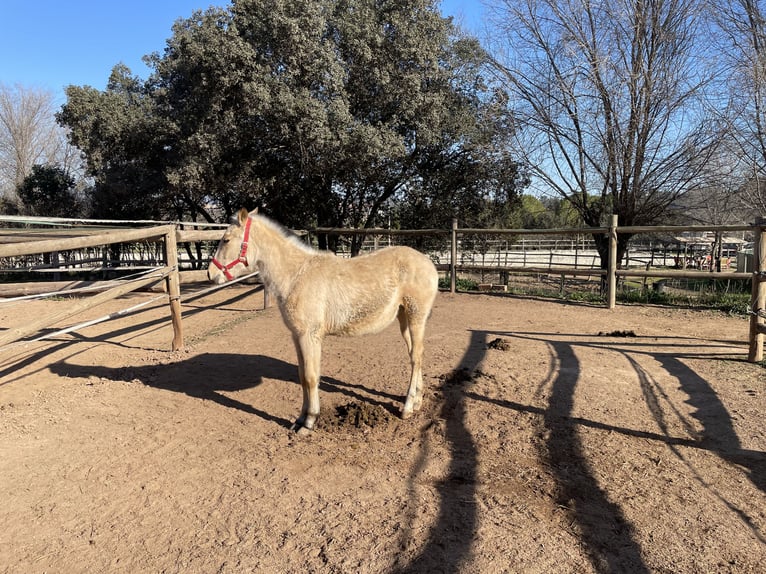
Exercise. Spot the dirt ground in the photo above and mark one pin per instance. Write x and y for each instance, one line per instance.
(553, 438)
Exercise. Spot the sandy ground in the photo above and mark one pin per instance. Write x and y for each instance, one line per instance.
(553, 438)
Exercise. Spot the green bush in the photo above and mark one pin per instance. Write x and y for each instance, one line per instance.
(461, 284)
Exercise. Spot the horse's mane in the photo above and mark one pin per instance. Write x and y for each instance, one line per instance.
(284, 232)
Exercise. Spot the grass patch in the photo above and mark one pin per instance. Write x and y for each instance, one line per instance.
(731, 303)
(730, 296)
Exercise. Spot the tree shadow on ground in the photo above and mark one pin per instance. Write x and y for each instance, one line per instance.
(610, 539)
(451, 538)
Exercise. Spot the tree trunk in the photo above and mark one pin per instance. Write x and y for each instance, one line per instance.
(602, 246)
(356, 244)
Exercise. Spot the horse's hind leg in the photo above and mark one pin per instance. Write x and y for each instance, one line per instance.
(404, 327)
(413, 332)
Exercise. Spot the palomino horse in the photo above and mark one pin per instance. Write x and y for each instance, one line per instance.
(320, 294)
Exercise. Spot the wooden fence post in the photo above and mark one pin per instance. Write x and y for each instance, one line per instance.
(758, 300)
(612, 264)
(174, 289)
(453, 257)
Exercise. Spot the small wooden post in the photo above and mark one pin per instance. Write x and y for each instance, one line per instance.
(453, 257)
(612, 264)
(174, 289)
(758, 300)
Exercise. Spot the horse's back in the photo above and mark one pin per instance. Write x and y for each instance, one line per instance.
(415, 277)
(363, 294)
(407, 266)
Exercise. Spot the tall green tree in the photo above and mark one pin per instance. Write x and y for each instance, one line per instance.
(126, 142)
(49, 191)
(321, 111)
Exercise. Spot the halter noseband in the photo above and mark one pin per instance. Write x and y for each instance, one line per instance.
(242, 254)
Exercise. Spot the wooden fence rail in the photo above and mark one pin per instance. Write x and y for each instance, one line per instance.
(172, 236)
(757, 277)
(169, 273)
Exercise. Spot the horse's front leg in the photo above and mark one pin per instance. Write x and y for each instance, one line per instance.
(309, 349)
(302, 380)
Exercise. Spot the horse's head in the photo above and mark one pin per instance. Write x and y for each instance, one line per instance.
(231, 258)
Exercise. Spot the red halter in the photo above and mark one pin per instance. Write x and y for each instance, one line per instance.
(242, 254)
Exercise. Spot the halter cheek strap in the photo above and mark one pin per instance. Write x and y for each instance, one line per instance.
(242, 254)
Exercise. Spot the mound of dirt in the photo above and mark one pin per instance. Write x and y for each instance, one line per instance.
(498, 344)
(356, 415)
(623, 333)
(458, 377)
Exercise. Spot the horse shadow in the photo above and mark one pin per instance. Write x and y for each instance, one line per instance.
(209, 376)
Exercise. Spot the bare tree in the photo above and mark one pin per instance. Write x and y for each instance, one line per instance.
(29, 136)
(608, 96)
(742, 27)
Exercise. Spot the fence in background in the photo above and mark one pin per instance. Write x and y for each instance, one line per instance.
(582, 263)
(592, 266)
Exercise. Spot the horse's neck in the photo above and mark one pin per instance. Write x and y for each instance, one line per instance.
(279, 259)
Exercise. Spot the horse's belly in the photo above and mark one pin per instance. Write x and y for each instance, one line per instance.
(364, 319)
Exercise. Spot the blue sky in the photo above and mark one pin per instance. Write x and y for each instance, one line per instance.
(49, 44)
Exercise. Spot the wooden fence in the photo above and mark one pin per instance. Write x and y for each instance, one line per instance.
(757, 276)
(169, 273)
(172, 236)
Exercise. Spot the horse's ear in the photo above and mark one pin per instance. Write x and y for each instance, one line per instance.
(254, 212)
(242, 216)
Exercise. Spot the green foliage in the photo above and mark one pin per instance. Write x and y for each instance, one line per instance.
(126, 145)
(49, 191)
(731, 303)
(324, 112)
(543, 213)
(461, 284)
(585, 297)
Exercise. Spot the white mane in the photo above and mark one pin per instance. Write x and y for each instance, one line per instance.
(286, 233)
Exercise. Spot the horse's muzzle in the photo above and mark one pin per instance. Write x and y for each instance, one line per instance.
(215, 276)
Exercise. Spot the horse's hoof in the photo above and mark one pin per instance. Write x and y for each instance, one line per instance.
(301, 428)
(304, 431)
(299, 422)
(406, 414)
